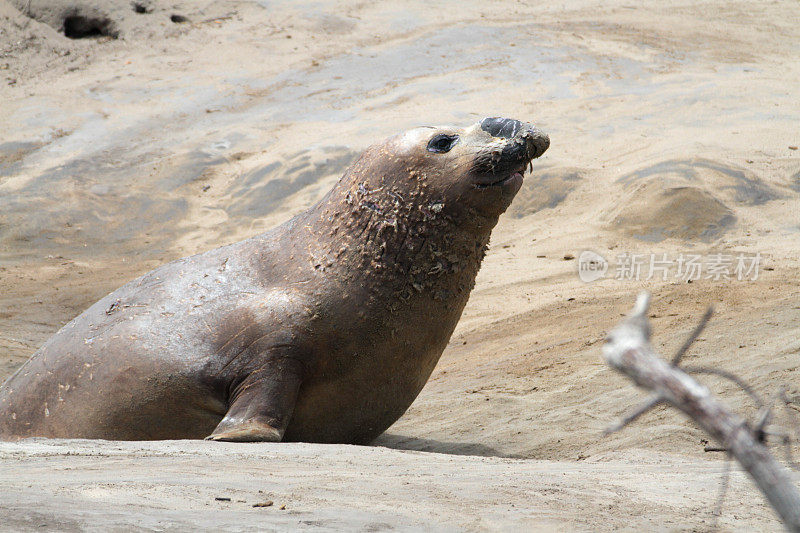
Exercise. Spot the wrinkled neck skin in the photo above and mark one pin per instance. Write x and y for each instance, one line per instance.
(399, 240)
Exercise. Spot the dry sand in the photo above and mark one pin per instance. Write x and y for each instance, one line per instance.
(186, 485)
(671, 126)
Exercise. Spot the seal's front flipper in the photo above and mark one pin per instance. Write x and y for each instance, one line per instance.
(262, 404)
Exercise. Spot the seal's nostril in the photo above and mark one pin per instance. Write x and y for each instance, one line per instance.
(540, 141)
(506, 128)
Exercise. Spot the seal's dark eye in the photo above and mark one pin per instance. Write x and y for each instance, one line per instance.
(442, 143)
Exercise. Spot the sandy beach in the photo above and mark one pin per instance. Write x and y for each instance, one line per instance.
(178, 127)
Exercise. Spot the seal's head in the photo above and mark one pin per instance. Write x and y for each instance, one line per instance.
(429, 188)
(480, 167)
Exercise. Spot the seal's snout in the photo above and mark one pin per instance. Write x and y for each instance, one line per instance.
(536, 141)
(513, 146)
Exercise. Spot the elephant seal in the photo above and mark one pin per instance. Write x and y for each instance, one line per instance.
(323, 329)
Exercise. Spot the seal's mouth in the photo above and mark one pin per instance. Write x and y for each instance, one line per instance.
(514, 175)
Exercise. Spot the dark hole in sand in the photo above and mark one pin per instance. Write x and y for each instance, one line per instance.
(80, 27)
(140, 8)
(177, 19)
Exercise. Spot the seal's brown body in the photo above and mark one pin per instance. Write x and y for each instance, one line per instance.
(324, 329)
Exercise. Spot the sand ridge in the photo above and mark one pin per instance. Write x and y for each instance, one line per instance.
(671, 130)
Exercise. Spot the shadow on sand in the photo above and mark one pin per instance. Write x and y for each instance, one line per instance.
(401, 442)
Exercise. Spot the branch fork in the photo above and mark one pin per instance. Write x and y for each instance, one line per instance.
(628, 351)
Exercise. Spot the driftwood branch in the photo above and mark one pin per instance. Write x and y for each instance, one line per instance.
(628, 350)
(636, 413)
(698, 329)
